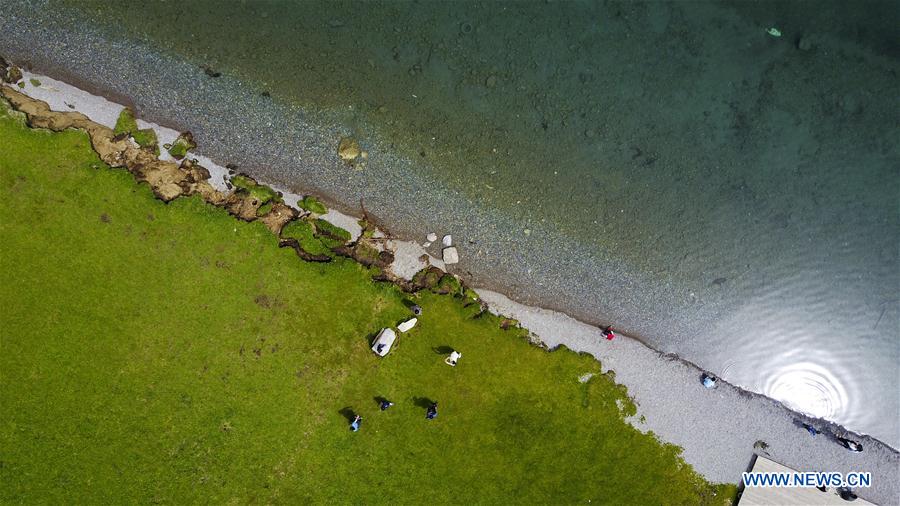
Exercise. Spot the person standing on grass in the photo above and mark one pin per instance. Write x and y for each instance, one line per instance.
(354, 425)
(608, 333)
(431, 412)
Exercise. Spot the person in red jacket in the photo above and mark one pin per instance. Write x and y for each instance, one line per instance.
(608, 333)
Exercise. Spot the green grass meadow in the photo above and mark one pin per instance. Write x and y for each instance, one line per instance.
(169, 353)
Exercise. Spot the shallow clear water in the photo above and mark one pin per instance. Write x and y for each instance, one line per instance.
(752, 180)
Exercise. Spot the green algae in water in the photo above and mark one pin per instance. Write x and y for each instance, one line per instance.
(34, 82)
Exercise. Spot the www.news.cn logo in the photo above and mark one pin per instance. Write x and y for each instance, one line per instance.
(810, 479)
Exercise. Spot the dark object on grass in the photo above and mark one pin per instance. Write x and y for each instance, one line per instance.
(354, 425)
(853, 446)
(384, 404)
(416, 309)
(431, 412)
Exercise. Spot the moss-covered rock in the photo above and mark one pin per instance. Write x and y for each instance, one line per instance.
(331, 235)
(13, 75)
(146, 138)
(427, 278)
(126, 123)
(260, 192)
(448, 284)
(181, 146)
(265, 208)
(312, 205)
(302, 232)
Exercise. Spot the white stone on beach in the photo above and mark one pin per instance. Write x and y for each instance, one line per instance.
(426, 244)
(408, 324)
(447, 241)
(451, 256)
(431, 237)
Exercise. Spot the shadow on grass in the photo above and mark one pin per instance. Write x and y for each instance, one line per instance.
(442, 350)
(422, 402)
(347, 413)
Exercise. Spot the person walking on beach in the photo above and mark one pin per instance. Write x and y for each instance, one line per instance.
(386, 404)
(809, 428)
(354, 425)
(608, 332)
(853, 446)
(431, 412)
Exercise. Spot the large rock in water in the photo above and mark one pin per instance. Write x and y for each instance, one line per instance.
(348, 149)
(451, 255)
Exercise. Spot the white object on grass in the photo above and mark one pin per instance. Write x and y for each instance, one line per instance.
(453, 358)
(383, 342)
(408, 324)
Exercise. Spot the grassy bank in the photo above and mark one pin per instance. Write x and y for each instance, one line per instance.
(169, 353)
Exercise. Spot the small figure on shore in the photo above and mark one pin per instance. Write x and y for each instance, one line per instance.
(853, 446)
(709, 381)
(386, 404)
(431, 412)
(453, 358)
(354, 425)
(416, 309)
(608, 332)
(846, 493)
(809, 428)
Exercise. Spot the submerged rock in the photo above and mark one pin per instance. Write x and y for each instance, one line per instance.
(349, 149)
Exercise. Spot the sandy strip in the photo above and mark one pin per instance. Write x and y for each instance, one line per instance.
(716, 428)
